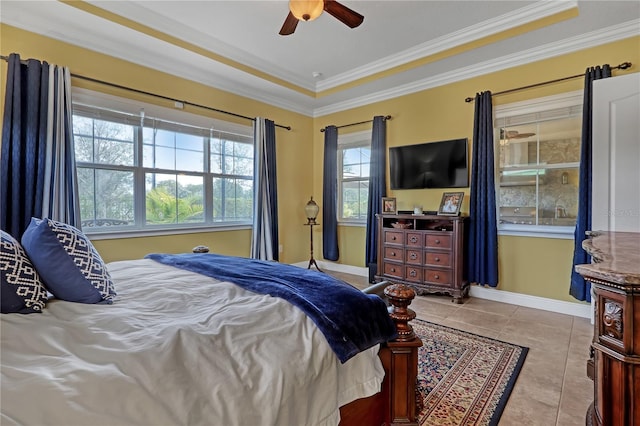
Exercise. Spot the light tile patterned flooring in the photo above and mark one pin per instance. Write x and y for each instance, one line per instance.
(553, 387)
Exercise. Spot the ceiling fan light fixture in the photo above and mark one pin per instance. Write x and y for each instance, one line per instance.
(306, 10)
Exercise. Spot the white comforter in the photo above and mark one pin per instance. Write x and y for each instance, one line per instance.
(176, 348)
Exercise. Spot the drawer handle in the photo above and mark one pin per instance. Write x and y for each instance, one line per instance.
(414, 239)
(393, 254)
(436, 276)
(413, 256)
(393, 269)
(437, 259)
(437, 241)
(413, 273)
(393, 238)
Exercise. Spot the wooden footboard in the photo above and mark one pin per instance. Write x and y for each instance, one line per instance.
(396, 403)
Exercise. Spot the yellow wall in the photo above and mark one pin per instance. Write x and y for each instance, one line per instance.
(535, 266)
(294, 148)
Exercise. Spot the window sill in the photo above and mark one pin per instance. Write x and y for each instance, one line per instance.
(352, 223)
(540, 231)
(138, 233)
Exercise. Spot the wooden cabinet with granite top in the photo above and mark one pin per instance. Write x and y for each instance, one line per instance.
(615, 367)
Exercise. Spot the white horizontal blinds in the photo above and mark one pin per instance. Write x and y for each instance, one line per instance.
(157, 123)
(176, 127)
(236, 137)
(537, 117)
(106, 115)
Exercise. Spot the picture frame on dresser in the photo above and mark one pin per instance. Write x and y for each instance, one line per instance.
(389, 205)
(450, 204)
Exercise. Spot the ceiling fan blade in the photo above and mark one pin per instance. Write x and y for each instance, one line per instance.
(290, 24)
(349, 17)
(523, 135)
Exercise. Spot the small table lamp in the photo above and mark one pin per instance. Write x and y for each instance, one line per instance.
(311, 210)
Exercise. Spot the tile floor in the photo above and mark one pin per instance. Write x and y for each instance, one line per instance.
(553, 387)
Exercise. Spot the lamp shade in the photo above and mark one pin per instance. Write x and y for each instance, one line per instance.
(311, 210)
(306, 10)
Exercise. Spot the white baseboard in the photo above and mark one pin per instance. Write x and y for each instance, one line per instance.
(338, 267)
(536, 302)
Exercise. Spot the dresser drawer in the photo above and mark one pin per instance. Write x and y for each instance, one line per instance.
(437, 259)
(393, 237)
(436, 276)
(438, 241)
(413, 257)
(394, 270)
(393, 253)
(413, 274)
(415, 239)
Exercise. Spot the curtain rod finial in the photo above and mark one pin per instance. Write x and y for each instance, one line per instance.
(468, 100)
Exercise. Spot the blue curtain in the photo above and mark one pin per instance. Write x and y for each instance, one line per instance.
(377, 186)
(482, 247)
(37, 155)
(330, 195)
(264, 239)
(580, 289)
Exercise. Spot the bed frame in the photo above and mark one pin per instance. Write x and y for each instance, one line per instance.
(396, 403)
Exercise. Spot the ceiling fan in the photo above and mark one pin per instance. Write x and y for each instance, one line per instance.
(308, 10)
(514, 134)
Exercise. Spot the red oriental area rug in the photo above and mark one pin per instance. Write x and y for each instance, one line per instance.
(463, 378)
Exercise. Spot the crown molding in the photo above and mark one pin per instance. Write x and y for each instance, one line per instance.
(475, 32)
(550, 50)
(198, 38)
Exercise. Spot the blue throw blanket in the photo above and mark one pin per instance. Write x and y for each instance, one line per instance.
(351, 320)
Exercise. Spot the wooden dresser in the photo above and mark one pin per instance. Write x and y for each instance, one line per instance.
(615, 366)
(425, 252)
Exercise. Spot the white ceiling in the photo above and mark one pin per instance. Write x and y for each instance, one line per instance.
(235, 45)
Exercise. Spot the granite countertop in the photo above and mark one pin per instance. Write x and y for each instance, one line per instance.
(616, 257)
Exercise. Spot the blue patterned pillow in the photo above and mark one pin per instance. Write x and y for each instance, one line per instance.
(21, 289)
(69, 265)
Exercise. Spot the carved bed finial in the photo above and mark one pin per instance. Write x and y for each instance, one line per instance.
(400, 297)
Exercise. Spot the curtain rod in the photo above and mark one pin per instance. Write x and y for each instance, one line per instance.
(622, 66)
(142, 92)
(385, 118)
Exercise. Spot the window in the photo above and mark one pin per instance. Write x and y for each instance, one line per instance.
(140, 174)
(354, 156)
(538, 156)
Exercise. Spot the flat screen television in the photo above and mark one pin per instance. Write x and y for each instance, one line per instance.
(441, 164)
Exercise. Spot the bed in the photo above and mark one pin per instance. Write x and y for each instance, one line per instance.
(178, 347)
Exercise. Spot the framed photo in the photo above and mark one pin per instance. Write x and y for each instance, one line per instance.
(389, 205)
(450, 204)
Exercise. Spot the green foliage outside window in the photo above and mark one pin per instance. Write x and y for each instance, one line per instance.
(175, 194)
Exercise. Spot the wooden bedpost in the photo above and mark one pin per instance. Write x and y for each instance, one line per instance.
(395, 404)
(400, 358)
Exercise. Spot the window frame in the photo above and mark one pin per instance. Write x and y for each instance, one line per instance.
(532, 106)
(347, 141)
(110, 107)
